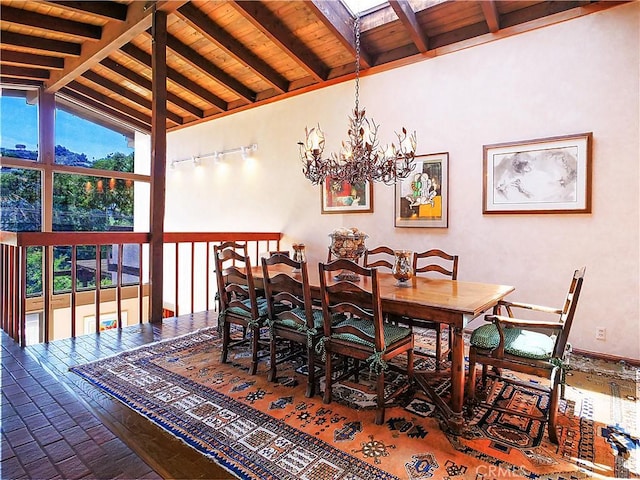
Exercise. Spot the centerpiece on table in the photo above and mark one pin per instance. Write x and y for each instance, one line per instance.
(403, 267)
(348, 243)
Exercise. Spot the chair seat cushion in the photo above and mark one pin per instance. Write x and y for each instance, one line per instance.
(392, 333)
(299, 312)
(518, 342)
(262, 308)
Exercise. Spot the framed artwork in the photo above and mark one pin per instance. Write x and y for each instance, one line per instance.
(422, 199)
(108, 321)
(344, 197)
(549, 175)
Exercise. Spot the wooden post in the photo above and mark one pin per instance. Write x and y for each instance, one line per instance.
(158, 162)
(46, 147)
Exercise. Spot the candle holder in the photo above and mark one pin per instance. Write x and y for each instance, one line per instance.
(299, 255)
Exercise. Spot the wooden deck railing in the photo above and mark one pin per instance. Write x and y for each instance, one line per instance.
(196, 265)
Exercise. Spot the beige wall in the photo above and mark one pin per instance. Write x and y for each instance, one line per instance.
(574, 77)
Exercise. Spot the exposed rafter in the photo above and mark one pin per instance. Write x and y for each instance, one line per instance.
(115, 113)
(208, 68)
(105, 10)
(25, 72)
(98, 99)
(39, 43)
(128, 94)
(146, 84)
(336, 17)
(19, 16)
(490, 11)
(143, 57)
(23, 58)
(407, 16)
(265, 21)
(114, 35)
(216, 34)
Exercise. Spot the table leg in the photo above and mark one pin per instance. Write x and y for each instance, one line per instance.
(456, 423)
(451, 410)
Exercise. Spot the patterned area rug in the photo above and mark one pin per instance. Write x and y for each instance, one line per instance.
(262, 430)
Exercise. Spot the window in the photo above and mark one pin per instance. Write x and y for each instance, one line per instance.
(89, 203)
(19, 123)
(83, 139)
(20, 200)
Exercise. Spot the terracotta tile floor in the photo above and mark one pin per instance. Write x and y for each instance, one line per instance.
(56, 426)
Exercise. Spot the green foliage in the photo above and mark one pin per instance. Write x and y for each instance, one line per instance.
(80, 203)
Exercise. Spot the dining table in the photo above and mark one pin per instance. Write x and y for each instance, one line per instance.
(452, 302)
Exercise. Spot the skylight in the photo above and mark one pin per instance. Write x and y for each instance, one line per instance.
(360, 7)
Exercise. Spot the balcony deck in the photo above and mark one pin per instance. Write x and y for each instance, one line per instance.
(55, 425)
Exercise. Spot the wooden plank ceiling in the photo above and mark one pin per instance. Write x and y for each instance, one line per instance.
(225, 56)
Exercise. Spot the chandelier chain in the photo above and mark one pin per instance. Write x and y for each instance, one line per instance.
(357, 34)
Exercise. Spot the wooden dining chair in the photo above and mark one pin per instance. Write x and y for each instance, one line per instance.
(532, 347)
(297, 322)
(239, 302)
(354, 328)
(436, 262)
(279, 252)
(381, 256)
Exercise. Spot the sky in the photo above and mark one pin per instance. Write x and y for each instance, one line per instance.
(19, 122)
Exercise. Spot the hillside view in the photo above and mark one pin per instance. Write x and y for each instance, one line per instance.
(80, 202)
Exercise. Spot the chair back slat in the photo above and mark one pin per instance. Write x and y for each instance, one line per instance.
(381, 256)
(436, 260)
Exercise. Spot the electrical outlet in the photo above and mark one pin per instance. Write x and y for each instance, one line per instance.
(601, 333)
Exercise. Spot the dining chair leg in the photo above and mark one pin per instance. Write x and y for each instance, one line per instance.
(226, 334)
(410, 365)
(311, 372)
(438, 346)
(471, 379)
(380, 399)
(484, 376)
(273, 375)
(255, 336)
(327, 376)
(554, 400)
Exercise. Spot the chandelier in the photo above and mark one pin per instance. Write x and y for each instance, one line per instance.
(360, 159)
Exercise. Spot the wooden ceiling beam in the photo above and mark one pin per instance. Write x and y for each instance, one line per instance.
(407, 17)
(128, 94)
(145, 83)
(105, 10)
(7, 80)
(23, 58)
(87, 99)
(43, 44)
(112, 104)
(264, 20)
(29, 18)
(25, 72)
(143, 57)
(491, 15)
(208, 68)
(216, 34)
(336, 17)
(114, 35)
